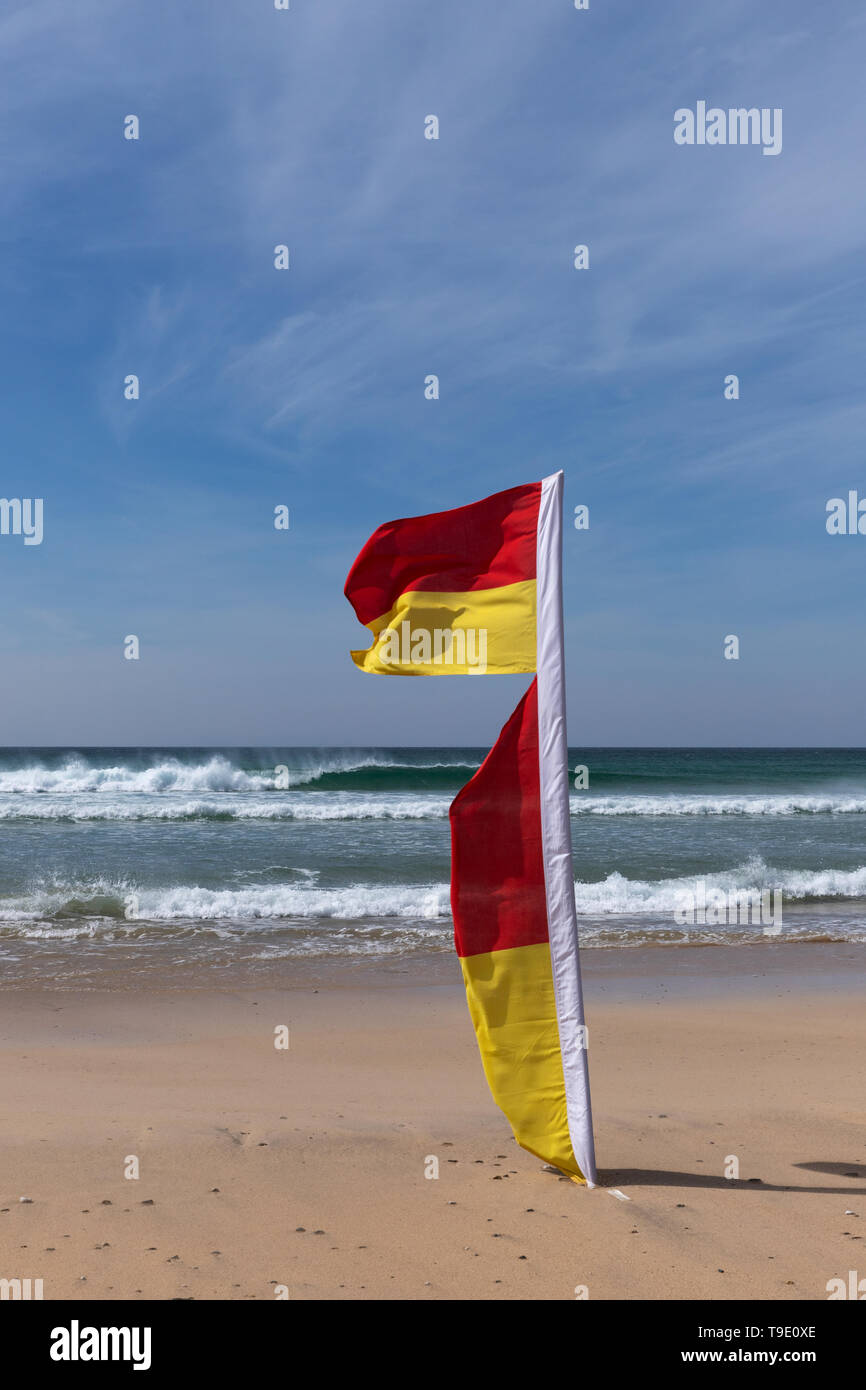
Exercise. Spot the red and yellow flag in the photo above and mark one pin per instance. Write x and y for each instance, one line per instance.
(452, 593)
(473, 590)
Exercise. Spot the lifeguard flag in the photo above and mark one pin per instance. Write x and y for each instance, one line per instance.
(452, 593)
(479, 590)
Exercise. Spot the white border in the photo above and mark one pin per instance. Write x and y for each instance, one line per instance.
(556, 826)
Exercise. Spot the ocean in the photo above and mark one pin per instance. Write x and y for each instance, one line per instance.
(123, 861)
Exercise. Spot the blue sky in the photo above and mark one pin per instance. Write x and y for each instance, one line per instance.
(408, 257)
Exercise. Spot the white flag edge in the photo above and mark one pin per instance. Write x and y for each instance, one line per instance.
(556, 826)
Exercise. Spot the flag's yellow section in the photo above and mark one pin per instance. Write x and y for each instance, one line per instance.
(481, 631)
(512, 1004)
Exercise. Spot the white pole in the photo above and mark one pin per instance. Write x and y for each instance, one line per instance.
(556, 826)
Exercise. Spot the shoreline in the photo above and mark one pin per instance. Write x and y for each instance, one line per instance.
(707, 967)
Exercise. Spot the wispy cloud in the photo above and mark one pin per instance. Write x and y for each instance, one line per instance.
(412, 257)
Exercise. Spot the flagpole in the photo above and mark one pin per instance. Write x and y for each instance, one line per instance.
(556, 826)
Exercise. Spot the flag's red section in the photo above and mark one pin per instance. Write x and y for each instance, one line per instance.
(483, 546)
(497, 867)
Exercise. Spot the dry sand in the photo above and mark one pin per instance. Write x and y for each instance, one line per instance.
(306, 1168)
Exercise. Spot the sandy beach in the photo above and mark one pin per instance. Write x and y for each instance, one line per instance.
(305, 1167)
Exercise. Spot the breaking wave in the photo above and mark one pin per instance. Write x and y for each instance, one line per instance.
(304, 898)
(752, 804)
(217, 792)
(219, 773)
(624, 896)
(284, 901)
(310, 806)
